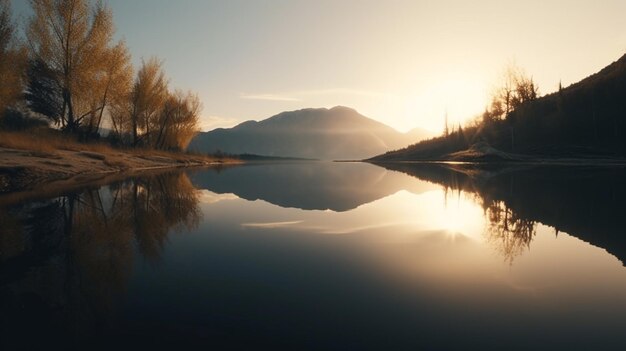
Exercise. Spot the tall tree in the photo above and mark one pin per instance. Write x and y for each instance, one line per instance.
(147, 98)
(112, 83)
(121, 112)
(12, 59)
(72, 39)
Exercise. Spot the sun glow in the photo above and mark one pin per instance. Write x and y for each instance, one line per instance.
(458, 214)
(461, 99)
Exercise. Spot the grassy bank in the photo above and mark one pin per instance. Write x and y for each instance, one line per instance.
(32, 160)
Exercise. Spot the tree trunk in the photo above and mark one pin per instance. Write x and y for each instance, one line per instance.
(71, 122)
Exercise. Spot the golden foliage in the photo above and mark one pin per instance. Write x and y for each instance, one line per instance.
(152, 115)
(75, 44)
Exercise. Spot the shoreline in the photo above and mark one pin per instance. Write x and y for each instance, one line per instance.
(36, 172)
(564, 162)
(482, 154)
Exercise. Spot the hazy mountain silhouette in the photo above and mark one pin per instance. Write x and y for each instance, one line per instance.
(585, 119)
(309, 185)
(320, 133)
(584, 202)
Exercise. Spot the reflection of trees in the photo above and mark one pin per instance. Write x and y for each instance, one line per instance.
(507, 231)
(12, 238)
(76, 252)
(152, 208)
(585, 202)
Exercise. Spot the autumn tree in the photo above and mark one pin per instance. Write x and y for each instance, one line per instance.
(73, 39)
(78, 78)
(12, 59)
(148, 95)
(178, 121)
(112, 84)
(120, 114)
(152, 116)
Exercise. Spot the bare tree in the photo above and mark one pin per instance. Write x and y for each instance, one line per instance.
(514, 89)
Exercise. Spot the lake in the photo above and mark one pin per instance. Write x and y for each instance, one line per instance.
(323, 256)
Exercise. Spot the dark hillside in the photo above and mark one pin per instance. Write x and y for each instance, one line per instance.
(586, 119)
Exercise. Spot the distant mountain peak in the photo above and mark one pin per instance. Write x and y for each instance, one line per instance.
(337, 133)
(343, 108)
(245, 124)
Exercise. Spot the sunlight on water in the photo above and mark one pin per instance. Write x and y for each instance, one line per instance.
(360, 255)
(436, 235)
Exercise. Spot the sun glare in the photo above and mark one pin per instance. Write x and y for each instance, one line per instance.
(457, 214)
(460, 99)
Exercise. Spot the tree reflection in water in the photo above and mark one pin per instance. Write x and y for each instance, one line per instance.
(585, 202)
(509, 233)
(72, 256)
(505, 230)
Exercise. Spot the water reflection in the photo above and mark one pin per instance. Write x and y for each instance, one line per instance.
(64, 262)
(509, 233)
(309, 185)
(156, 262)
(586, 202)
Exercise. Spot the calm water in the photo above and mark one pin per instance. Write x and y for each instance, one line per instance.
(325, 256)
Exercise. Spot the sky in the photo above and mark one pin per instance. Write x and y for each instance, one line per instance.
(404, 63)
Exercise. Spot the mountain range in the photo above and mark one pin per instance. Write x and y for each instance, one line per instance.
(315, 133)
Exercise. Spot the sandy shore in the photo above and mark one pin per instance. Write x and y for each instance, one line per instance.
(35, 171)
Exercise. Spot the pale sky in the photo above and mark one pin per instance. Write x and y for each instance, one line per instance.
(403, 63)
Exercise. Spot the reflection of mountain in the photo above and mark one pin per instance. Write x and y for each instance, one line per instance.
(308, 185)
(587, 203)
(329, 134)
(65, 261)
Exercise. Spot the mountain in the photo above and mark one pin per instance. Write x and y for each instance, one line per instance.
(336, 186)
(586, 119)
(318, 133)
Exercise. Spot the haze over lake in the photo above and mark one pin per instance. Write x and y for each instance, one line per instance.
(361, 258)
